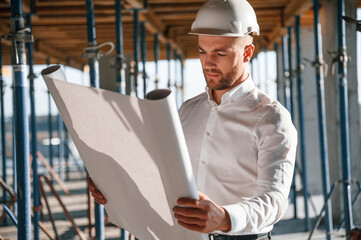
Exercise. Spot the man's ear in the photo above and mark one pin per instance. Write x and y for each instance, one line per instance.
(248, 53)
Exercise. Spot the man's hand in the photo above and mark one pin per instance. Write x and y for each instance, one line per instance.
(98, 196)
(201, 215)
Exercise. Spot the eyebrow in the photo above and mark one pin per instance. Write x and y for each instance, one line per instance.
(215, 50)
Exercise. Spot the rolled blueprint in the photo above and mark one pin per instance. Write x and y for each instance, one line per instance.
(134, 151)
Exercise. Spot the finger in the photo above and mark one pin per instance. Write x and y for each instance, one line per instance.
(91, 184)
(193, 227)
(188, 202)
(190, 212)
(203, 196)
(191, 220)
(97, 194)
(100, 201)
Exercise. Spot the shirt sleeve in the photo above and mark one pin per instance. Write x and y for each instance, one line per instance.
(277, 142)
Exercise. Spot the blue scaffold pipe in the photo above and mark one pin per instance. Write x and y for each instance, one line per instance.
(301, 121)
(285, 72)
(144, 56)
(277, 73)
(290, 68)
(21, 121)
(15, 179)
(169, 56)
(3, 130)
(119, 59)
(321, 105)
(345, 140)
(156, 58)
(176, 76)
(119, 44)
(91, 33)
(66, 152)
(34, 147)
(94, 82)
(182, 78)
(50, 130)
(136, 48)
(60, 126)
(11, 215)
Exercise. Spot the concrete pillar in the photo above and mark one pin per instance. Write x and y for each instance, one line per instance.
(354, 116)
(329, 36)
(329, 32)
(310, 114)
(280, 74)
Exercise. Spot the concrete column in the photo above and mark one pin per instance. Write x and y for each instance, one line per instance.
(329, 36)
(354, 115)
(280, 73)
(310, 115)
(329, 32)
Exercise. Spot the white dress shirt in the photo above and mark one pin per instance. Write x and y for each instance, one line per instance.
(242, 153)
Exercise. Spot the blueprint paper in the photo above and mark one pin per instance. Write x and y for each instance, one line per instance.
(135, 152)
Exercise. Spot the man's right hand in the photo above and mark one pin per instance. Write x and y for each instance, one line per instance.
(98, 196)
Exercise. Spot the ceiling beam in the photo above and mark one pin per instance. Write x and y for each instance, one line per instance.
(154, 24)
(293, 8)
(43, 51)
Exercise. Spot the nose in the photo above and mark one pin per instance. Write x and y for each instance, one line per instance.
(209, 62)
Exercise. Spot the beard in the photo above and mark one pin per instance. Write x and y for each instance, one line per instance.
(226, 81)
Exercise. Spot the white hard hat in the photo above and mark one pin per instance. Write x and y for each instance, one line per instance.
(229, 18)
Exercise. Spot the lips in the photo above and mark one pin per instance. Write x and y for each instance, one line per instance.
(212, 74)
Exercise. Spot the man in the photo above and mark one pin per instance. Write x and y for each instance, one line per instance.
(242, 144)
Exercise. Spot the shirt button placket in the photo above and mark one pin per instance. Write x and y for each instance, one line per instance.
(206, 154)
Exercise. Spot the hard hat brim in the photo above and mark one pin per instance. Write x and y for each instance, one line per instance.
(220, 33)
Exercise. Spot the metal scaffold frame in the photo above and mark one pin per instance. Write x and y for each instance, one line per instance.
(302, 145)
(285, 71)
(34, 147)
(119, 60)
(18, 39)
(119, 45)
(345, 138)
(278, 85)
(136, 49)
(290, 107)
(169, 58)
(144, 56)
(156, 58)
(321, 106)
(92, 55)
(3, 130)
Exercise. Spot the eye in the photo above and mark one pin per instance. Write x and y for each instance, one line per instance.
(202, 52)
(221, 54)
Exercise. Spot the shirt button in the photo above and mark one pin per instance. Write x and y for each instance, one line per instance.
(203, 163)
(208, 134)
(216, 109)
(232, 101)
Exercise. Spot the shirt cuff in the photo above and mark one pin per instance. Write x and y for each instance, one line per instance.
(238, 217)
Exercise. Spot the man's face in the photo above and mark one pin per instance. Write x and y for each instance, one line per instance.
(224, 59)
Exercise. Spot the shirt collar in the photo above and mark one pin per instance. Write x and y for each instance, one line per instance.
(238, 91)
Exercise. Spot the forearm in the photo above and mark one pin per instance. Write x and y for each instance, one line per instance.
(257, 213)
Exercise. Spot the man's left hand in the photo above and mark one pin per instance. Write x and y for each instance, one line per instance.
(201, 215)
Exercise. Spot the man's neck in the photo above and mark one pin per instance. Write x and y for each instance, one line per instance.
(217, 94)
